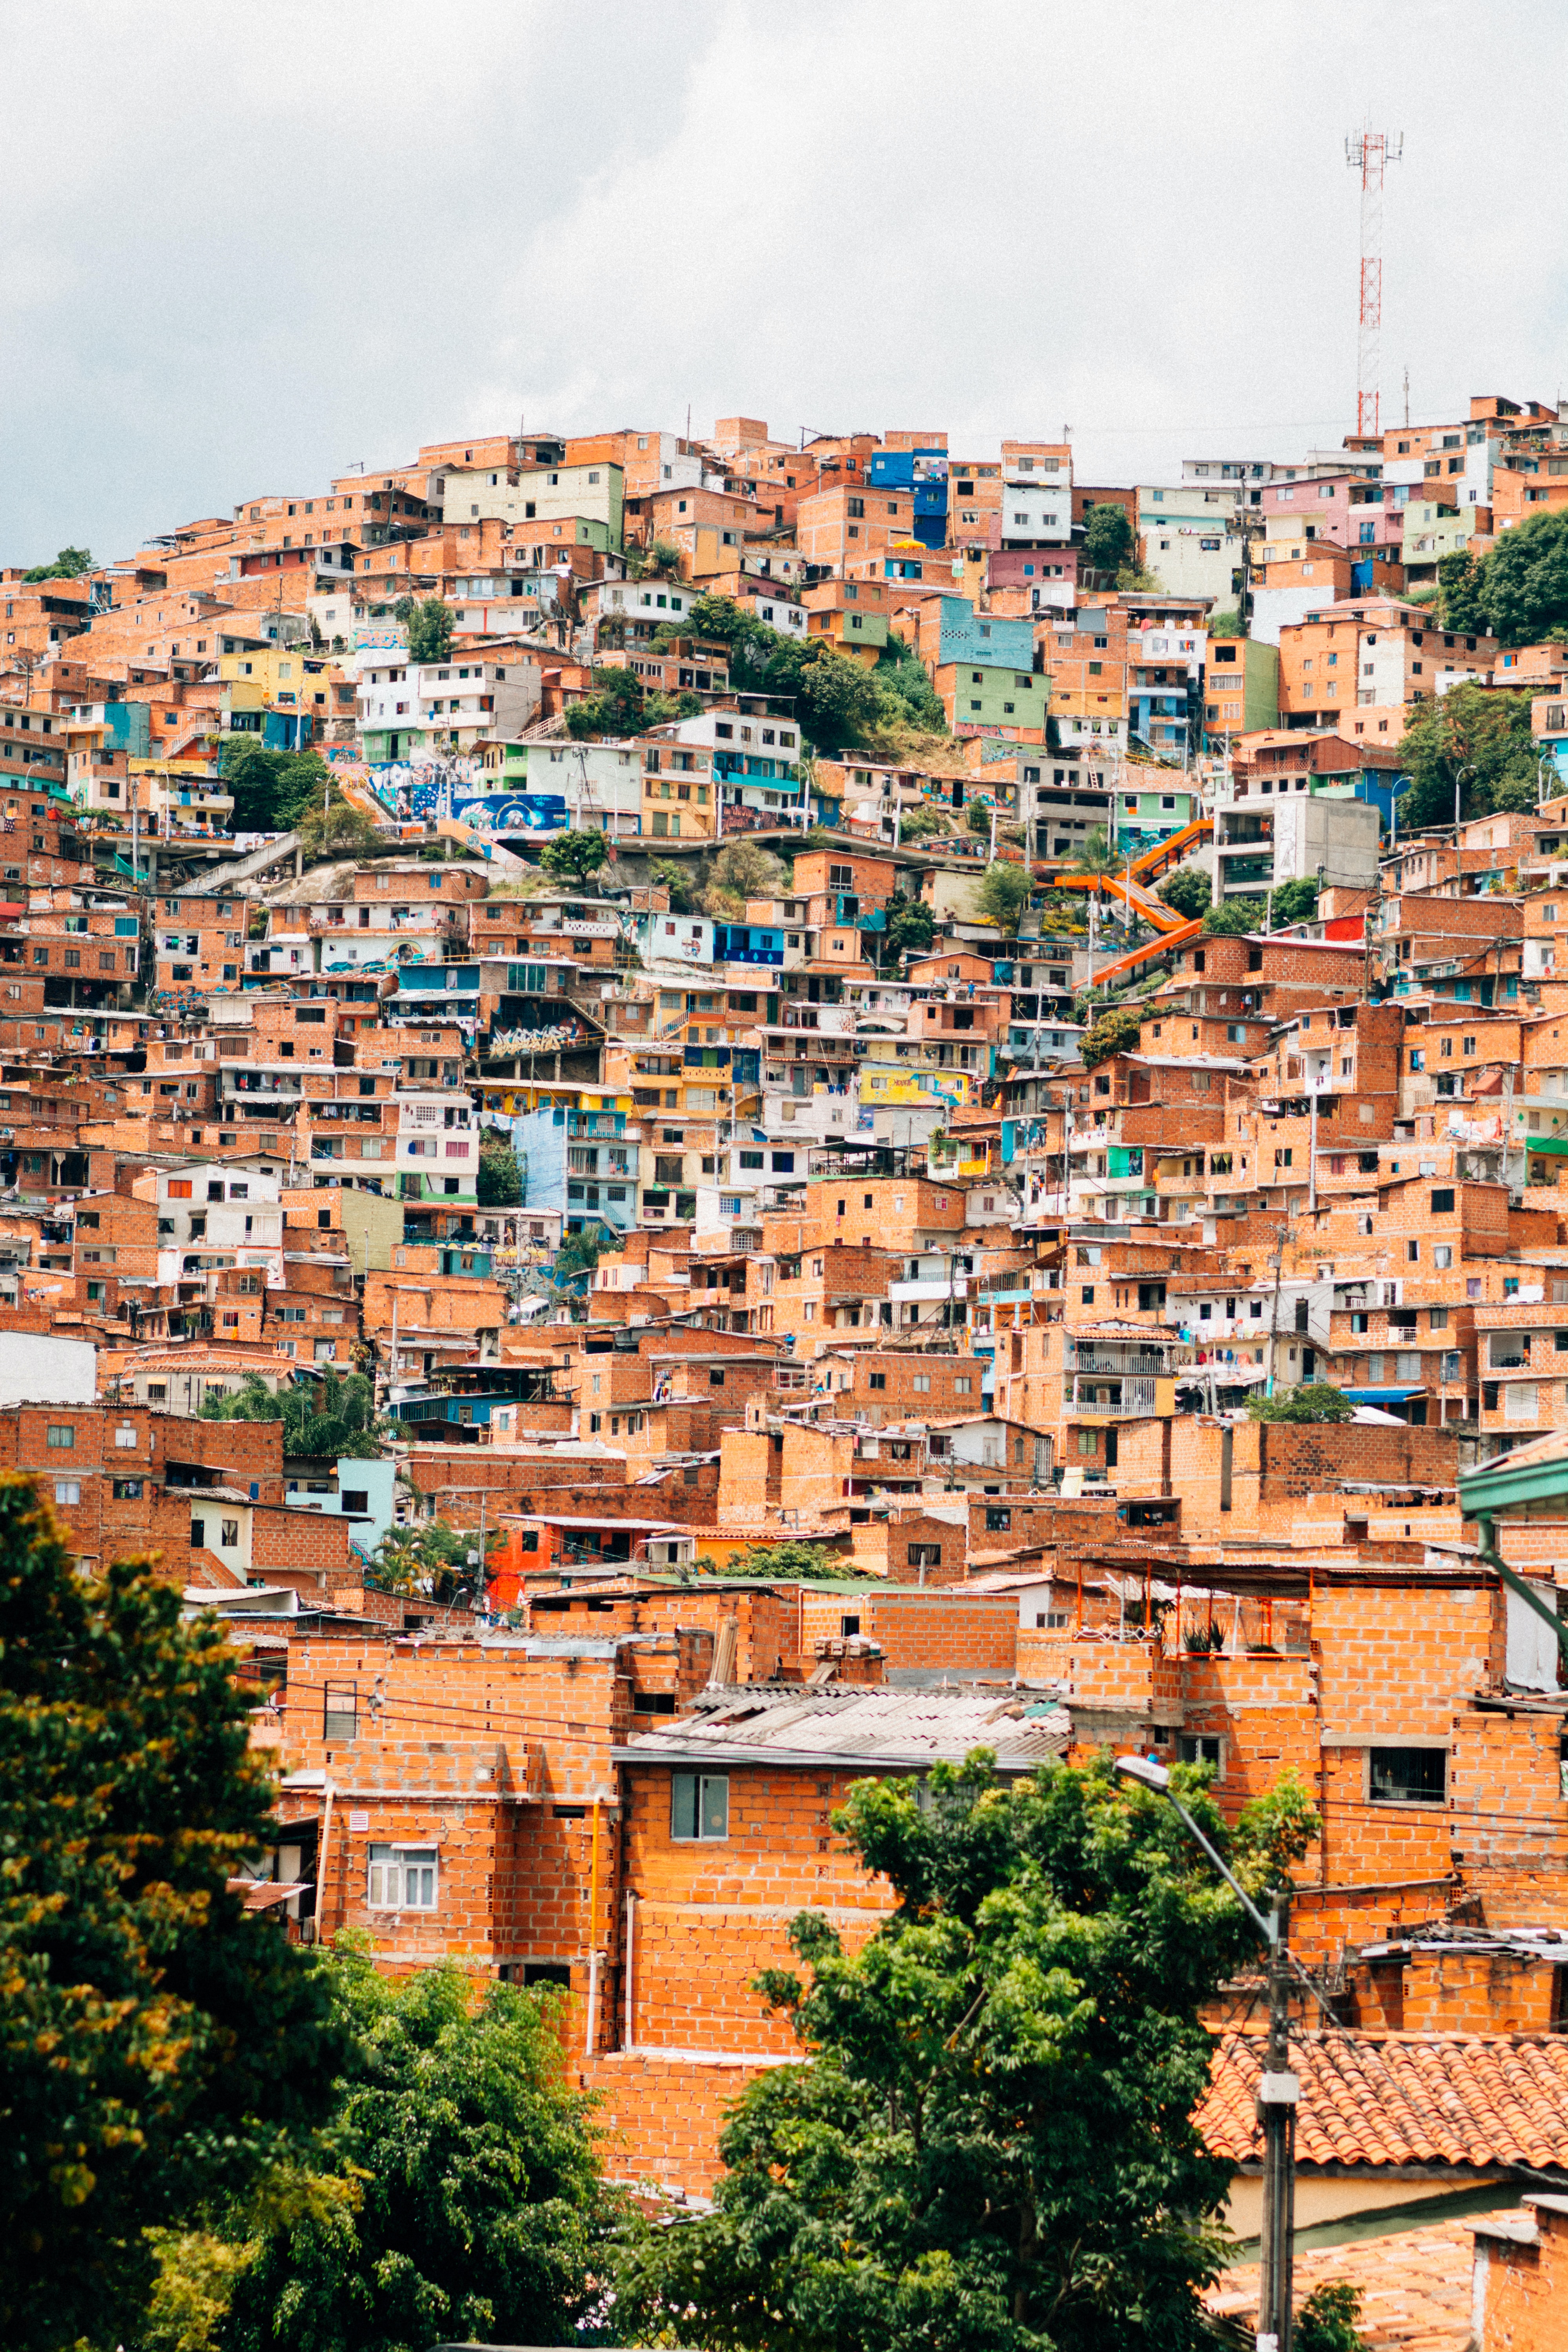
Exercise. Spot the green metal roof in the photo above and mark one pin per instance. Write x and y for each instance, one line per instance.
(1534, 1473)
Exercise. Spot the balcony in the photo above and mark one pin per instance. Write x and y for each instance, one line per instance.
(1140, 1364)
(1121, 1399)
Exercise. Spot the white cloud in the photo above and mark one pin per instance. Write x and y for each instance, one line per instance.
(248, 250)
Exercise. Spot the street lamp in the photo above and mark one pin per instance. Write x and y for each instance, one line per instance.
(1277, 2092)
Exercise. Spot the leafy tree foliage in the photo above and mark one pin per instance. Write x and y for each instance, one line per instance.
(1107, 538)
(842, 701)
(71, 563)
(1227, 624)
(1186, 892)
(429, 625)
(1117, 1030)
(1327, 2321)
(747, 870)
(580, 1252)
(618, 707)
(273, 790)
(675, 878)
(1459, 580)
(1477, 738)
(809, 1563)
(1296, 902)
(907, 692)
(320, 1420)
(500, 1179)
(430, 1557)
(573, 857)
(1004, 894)
(477, 2206)
(1233, 918)
(1524, 580)
(989, 2146)
(909, 926)
(1312, 1401)
(919, 823)
(156, 2044)
(340, 830)
(1097, 854)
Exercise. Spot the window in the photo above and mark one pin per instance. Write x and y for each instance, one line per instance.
(997, 1521)
(1407, 1776)
(61, 1433)
(199, 1534)
(1202, 1748)
(127, 1490)
(339, 1710)
(67, 1490)
(925, 1555)
(879, 1380)
(228, 1534)
(403, 1878)
(698, 1805)
(125, 1433)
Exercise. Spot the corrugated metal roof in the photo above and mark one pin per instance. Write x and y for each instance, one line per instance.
(868, 1727)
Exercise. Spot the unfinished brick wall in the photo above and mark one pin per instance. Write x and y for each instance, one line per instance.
(1520, 2291)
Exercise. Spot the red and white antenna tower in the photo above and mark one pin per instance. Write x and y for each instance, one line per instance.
(1369, 152)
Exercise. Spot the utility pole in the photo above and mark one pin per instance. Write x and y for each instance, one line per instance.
(1278, 2091)
(1277, 2095)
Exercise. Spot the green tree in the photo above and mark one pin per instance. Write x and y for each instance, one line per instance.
(1460, 580)
(1186, 892)
(1312, 1401)
(500, 1179)
(809, 1563)
(909, 698)
(1473, 737)
(341, 831)
(429, 1556)
(1004, 894)
(910, 927)
(842, 701)
(683, 898)
(618, 706)
(1524, 583)
(1097, 854)
(71, 563)
(989, 2144)
(480, 2209)
(429, 625)
(1296, 902)
(1227, 624)
(273, 790)
(580, 1252)
(1107, 538)
(1327, 2321)
(747, 870)
(1233, 918)
(322, 1420)
(1116, 1030)
(920, 823)
(573, 857)
(156, 2044)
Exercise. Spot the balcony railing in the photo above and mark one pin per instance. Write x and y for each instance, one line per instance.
(1119, 1366)
(1127, 1397)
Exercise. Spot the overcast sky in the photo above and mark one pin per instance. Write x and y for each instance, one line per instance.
(245, 248)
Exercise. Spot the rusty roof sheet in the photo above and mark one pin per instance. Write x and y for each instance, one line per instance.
(1385, 2100)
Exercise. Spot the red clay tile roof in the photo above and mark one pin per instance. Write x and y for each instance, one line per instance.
(1461, 2099)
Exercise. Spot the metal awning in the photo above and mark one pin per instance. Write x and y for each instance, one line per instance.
(1382, 1396)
